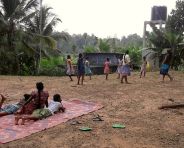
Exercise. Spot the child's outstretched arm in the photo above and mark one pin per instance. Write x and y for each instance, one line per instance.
(62, 108)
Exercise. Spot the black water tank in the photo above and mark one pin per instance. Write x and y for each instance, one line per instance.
(159, 13)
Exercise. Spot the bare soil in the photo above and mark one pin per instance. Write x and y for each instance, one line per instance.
(135, 105)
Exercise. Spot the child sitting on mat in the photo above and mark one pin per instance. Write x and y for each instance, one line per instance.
(54, 106)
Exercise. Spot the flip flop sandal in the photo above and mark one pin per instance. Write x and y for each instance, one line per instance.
(85, 129)
(75, 122)
(118, 126)
(98, 119)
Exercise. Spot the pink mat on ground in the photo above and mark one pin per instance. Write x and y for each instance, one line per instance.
(75, 108)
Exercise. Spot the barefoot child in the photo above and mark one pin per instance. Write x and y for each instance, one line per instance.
(12, 108)
(54, 106)
(81, 69)
(164, 70)
(70, 70)
(107, 68)
(143, 67)
(125, 70)
(87, 68)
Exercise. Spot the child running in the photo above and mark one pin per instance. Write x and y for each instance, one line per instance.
(143, 67)
(107, 68)
(81, 69)
(70, 70)
(12, 108)
(54, 106)
(87, 68)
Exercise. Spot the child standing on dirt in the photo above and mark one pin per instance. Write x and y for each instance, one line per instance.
(107, 68)
(81, 69)
(70, 70)
(87, 68)
(143, 67)
(125, 69)
(164, 70)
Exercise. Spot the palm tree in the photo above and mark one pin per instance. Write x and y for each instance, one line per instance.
(42, 25)
(13, 14)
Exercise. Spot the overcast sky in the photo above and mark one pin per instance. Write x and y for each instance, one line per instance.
(105, 18)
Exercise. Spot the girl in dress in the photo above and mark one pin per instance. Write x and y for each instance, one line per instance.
(81, 69)
(70, 70)
(125, 70)
(107, 68)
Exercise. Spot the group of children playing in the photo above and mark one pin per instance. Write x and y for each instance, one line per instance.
(123, 68)
(83, 68)
(34, 106)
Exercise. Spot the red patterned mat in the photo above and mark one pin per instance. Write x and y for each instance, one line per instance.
(75, 108)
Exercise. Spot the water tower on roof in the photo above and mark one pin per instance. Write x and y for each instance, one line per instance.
(158, 17)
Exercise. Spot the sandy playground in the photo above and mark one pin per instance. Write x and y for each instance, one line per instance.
(134, 105)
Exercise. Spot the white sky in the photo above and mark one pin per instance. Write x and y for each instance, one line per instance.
(105, 18)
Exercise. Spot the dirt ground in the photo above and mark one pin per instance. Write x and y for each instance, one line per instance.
(135, 105)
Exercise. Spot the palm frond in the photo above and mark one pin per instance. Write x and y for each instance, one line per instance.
(9, 7)
(31, 4)
(49, 28)
(28, 17)
(28, 48)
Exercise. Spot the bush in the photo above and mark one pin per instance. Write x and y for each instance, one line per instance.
(52, 62)
(55, 66)
(57, 71)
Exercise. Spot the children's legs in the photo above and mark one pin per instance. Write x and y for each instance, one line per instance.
(144, 73)
(17, 118)
(170, 77)
(2, 100)
(24, 118)
(118, 76)
(163, 77)
(122, 78)
(106, 76)
(28, 118)
(3, 114)
(1, 103)
(141, 74)
(126, 80)
(78, 80)
(82, 79)
(70, 77)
